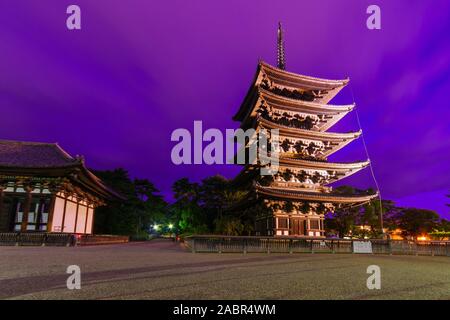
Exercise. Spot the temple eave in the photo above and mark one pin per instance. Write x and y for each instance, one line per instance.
(322, 165)
(314, 82)
(312, 196)
(281, 101)
(308, 134)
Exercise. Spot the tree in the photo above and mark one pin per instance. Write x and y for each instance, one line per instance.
(417, 221)
(150, 207)
(211, 196)
(186, 211)
(141, 206)
(229, 225)
(347, 220)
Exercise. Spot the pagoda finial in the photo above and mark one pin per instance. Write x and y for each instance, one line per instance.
(281, 60)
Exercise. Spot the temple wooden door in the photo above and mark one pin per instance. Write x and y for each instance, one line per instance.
(297, 226)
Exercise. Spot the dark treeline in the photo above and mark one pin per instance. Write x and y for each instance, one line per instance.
(200, 208)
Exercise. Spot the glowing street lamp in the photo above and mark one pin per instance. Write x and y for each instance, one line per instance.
(170, 226)
(155, 227)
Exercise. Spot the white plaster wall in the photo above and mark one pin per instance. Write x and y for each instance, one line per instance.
(89, 222)
(58, 215)
(69, 220)
(82, 211)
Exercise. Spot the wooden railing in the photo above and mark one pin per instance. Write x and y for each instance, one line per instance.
(36, 239)
(229, 244)
(94, 239)
(57, 239)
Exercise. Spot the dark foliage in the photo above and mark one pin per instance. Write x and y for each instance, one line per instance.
(136, 213)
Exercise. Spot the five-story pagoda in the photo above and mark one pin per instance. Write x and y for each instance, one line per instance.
(294, 200)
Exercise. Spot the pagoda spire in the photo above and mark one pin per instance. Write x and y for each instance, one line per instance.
(281, 60)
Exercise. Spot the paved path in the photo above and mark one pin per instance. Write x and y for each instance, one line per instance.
(162, 269)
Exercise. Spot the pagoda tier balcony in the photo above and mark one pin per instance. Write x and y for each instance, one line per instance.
(314, 172)
(299, 186)
(300, 142)
(292, 112)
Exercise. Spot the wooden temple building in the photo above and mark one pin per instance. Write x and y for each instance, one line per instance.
(43, 188)
(294, 200)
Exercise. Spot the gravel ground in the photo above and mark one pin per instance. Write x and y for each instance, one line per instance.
(162, 269)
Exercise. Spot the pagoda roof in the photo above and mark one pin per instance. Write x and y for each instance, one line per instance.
(342, 169)
(308, 134)
(337, 140)
(299, 81)
(332, 113)
(323, 90)
(37, 159)
(323, 165)
(333, 197)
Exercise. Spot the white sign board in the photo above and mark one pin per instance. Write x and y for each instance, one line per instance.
(362, 247)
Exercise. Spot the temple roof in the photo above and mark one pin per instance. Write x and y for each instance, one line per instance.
(320, 90)
(36, 159)
(290, 194)
(34, 155)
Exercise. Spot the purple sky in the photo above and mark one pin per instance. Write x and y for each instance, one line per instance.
(115, 90)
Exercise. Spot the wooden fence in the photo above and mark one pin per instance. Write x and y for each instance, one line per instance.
(232, 244)
(57, 239)
(97, 239)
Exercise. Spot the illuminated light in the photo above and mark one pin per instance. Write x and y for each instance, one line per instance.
(155, 227)
(170, 226)
(422, 238)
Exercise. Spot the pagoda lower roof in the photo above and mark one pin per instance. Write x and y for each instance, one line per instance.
(313, 196)
(310, 134)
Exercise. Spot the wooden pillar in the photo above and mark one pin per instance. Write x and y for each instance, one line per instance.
(2, 195)
(87, 216)
(51, 211)
(289, 225)
(76, 216)
(93, 216)
(64, 213)
(26, 209)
